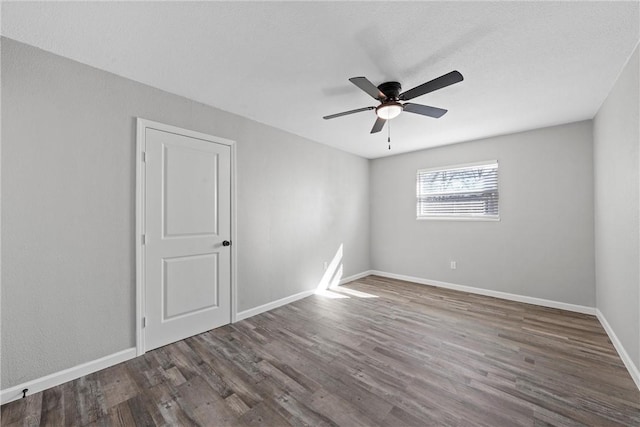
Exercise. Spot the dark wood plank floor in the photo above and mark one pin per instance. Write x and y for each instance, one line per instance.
(391, 354)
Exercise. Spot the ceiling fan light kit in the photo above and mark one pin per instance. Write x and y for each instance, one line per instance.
(389, 110)
(389, 96)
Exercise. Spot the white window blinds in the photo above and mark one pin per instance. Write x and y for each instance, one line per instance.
(465, 191)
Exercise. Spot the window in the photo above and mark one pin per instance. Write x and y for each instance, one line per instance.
(458, 192)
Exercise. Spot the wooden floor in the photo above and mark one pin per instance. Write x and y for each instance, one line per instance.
(391, 354)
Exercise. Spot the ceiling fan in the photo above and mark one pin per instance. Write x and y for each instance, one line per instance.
(389, 95)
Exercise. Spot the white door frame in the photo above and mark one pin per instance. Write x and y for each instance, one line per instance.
(142, 125)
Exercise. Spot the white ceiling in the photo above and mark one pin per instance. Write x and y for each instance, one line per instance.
(526, 64)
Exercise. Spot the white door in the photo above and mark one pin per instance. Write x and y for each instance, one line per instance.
(187, 258)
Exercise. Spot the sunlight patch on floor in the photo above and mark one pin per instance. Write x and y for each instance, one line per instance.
(330, 294)
(354, 293)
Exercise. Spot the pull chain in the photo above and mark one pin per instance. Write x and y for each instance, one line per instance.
(389, 134)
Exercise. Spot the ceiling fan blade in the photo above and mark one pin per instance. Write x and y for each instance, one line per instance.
(364, 84)
(333, 116)
(435, 84)
(378, 125)
(425, 110)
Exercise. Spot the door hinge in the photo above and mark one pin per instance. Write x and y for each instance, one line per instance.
(144, 239)
(144, 322)
(144, 156)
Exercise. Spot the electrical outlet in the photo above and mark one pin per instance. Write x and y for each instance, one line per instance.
(454, 265)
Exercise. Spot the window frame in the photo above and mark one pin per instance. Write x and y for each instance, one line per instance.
(491, 218)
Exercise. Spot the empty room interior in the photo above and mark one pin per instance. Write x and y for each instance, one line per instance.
(320, 213)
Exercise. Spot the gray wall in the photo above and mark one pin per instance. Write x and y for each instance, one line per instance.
(541, 247)
(616, 133)
(68, 188)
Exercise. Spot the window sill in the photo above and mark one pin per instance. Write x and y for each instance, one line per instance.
(458, 218)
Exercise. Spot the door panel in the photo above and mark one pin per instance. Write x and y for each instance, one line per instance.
(187, 217)
(190, 180)
(190, 284)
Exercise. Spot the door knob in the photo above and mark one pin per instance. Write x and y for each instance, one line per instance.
(226, 243)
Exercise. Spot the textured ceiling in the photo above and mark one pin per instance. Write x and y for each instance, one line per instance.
(526, 64)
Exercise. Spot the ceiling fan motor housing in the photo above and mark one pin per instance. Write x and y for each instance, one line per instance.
(391, 90)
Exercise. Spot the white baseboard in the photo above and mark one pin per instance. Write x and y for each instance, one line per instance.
(631, 367)
(487, 292)
(52, 380)
(57, 378)
(355, 277)
(626, 359)
(271, 305)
